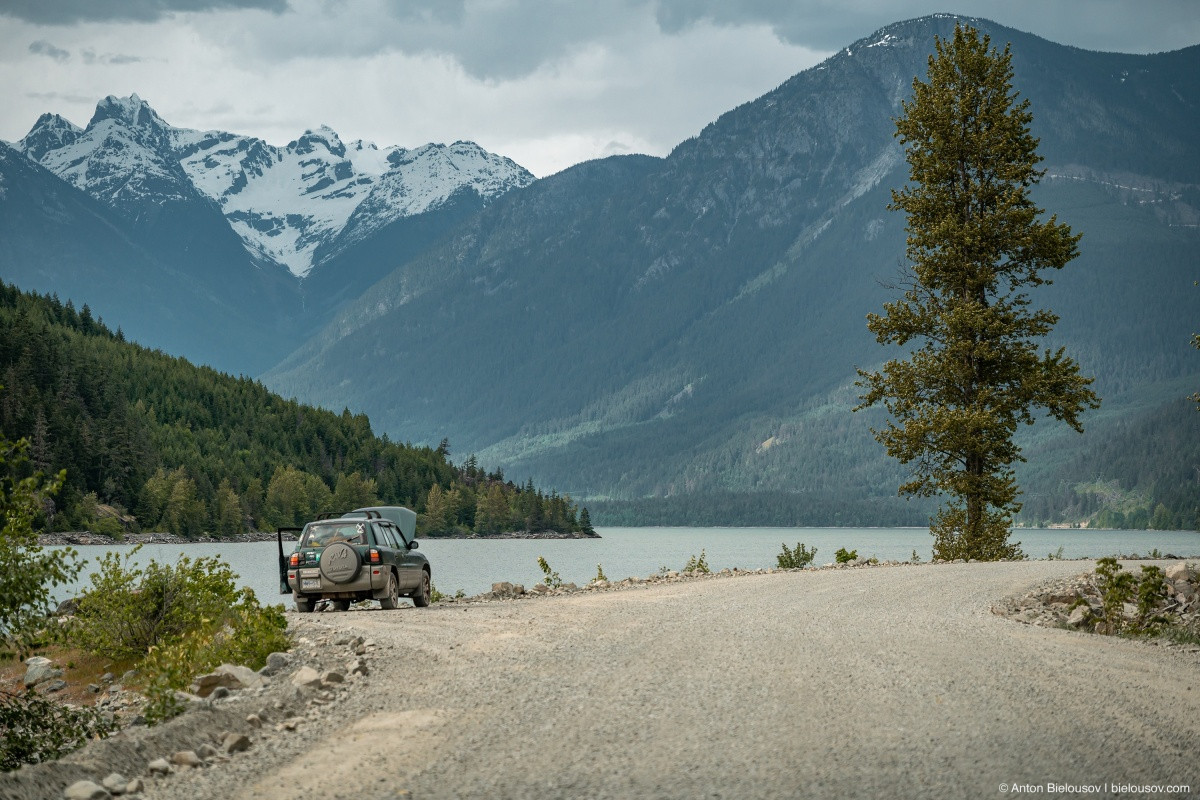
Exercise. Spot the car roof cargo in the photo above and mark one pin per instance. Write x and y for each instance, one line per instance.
(405, 519)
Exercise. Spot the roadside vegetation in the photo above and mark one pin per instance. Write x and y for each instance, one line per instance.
(801, 556)
(172, 622)
(167, 622)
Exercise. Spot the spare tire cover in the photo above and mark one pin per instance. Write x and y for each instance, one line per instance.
(340, 562)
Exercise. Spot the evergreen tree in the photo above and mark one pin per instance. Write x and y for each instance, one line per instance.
(975, 244)
(229, 518)
(354, 491)
(436, 507)
(491, 514)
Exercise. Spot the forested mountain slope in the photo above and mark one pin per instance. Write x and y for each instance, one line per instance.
(150, 441)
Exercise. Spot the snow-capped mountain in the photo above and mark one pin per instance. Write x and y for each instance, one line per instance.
(123, 158)
(290, 206)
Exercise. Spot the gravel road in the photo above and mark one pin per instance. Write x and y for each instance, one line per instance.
(883, 682)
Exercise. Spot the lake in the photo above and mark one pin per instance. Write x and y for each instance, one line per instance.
(473, 565)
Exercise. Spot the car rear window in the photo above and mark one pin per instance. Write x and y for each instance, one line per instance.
(323, 534)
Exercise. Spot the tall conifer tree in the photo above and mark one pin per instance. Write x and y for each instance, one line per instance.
(975, 245)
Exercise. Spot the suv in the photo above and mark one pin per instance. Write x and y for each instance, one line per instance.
(369, 553)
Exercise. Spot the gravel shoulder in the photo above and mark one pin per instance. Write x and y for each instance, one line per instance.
(888, 681)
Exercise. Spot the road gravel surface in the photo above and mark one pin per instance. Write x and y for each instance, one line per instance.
(870, 682)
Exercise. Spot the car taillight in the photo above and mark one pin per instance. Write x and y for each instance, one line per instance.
(374, 556)
(294, 560)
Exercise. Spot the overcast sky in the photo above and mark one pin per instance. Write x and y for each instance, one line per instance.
(548, 83)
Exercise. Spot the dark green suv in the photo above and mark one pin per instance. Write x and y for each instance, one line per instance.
(369, 553)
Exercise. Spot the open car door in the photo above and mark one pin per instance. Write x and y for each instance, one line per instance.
(284, 588)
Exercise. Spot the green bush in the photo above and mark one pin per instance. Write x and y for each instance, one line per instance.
(28, 573)
(793, 559)
(1118, 587)
(176, 620)
(845, 556)
(37, 729)
(552, 580)
(697, 564)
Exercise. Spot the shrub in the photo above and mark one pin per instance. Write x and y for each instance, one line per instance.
(793, 559)
(28, 573)
(176, 620)
(1118, 587)
(845, 556)
(37, 729)
(600, 576)
(552, 580)
(697, 564)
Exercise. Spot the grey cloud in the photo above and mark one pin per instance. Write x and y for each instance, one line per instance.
(490, 41)
(44, 48)
(89, 57)
(66, 97)
(508, 40)
(69, 12)
(1124, 25)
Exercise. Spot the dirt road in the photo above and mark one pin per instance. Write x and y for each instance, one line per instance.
(885, 682)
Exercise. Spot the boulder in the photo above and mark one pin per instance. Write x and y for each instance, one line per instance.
(276, 663)
(116, 783)
(1078, 616)
(1178, 572)
(254, 720)
(207, 751)
(332, 676)
(86, 790)
(187, 758)
(231, 676)
(67, 607)
(159, 766)
(307, 678)
(56, 685)
(39, 669)
(236, 743)
(136, 785)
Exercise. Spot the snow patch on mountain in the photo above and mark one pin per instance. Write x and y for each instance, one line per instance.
(421, 179)
(120, 158)
(283, 202)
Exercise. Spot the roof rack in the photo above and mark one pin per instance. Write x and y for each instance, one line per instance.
(340, 514)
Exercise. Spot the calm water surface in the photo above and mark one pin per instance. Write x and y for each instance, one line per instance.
(473, 565)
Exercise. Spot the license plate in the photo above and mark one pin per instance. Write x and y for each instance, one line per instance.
(310, 583)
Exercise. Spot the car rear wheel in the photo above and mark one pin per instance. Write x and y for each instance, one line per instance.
(421, 597)
(303, 605)
(392, 600)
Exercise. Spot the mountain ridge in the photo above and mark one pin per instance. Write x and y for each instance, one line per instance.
(646, 332)
(289, 205)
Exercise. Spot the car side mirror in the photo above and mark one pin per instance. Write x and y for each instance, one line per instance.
(412, 545)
